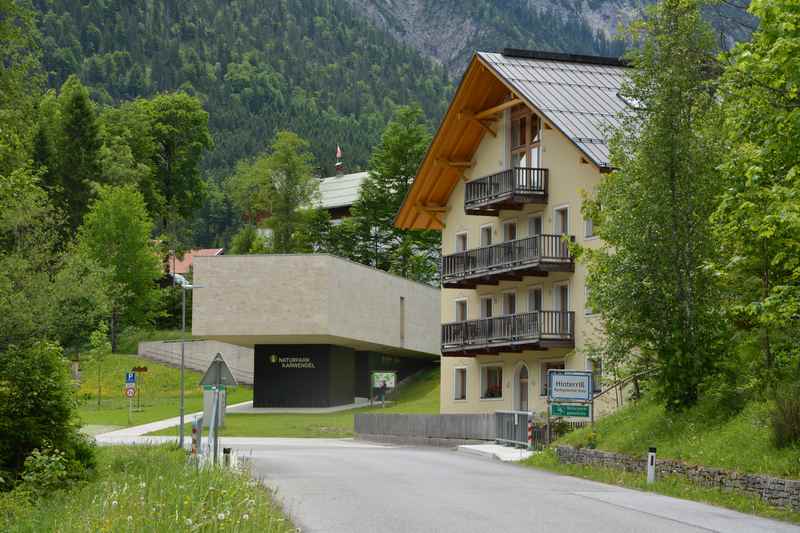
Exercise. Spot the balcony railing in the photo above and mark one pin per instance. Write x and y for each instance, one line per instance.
(534, 256)
(534, 330)
(509, 189)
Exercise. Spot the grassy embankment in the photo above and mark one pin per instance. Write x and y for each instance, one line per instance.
(159, 391)
(706, 435)
(147, 488)
(421, 396)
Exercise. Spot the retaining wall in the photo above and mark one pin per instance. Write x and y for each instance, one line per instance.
(430, 430)
(198, 354)
(775, 491)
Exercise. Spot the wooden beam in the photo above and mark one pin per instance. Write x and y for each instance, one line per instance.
(483, 123)
(486, 113)
(450, 163)
(432, 208)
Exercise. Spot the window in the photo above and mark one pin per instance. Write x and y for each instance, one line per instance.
(535, 225)
(486, 236)
(546, 366)
(561, 222)
(561, 297)
(486, 307)
(597, 375)
(461, 310)
(588, 228)
(460, 384)
(509, 231)
(525, 131)
(461, 242)
(534, 299)
(587, 309)
(491, 382)
(509, 303)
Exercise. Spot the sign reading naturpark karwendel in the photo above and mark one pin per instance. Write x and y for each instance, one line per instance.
(569, 385)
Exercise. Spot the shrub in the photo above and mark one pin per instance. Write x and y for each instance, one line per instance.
(45, 471)
(36, 409)
(785, 417)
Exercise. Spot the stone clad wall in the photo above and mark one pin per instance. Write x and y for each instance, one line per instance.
(774, 491)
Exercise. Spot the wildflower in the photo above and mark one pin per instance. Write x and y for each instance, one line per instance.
(114, 503)
(130, 518)
(142, 485)
(221, 516)
(188, 521)
(245, 516)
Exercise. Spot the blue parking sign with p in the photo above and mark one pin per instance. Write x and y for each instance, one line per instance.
(130, 377)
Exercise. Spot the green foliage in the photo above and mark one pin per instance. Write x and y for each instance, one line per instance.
(394, 163)
(758, 218)
(78, 151)
(116, 234)
(785, 416)
(149, 488)
(318, 67)
(20, 82)
(100, 347)
(649, 279)
(45, 471)
(36, 407)
(248, 241)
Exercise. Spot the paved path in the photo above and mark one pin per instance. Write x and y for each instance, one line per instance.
(336, 486)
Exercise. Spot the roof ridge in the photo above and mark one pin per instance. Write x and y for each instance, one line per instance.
(568, 58)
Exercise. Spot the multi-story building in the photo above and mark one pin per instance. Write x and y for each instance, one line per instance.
(523, 141)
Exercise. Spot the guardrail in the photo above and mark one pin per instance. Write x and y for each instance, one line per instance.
(516, 181)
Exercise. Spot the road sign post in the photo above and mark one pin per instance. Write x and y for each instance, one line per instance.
(217, 376)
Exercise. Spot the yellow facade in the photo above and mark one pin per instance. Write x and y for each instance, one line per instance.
(569, 178)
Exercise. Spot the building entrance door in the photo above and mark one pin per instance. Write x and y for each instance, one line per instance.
(522, 388)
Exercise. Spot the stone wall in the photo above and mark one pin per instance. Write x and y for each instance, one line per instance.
(774, 491)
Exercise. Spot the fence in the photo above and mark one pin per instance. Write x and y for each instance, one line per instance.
(511, 427)
(438, 430)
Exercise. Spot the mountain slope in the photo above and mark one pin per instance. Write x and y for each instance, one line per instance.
(450, 30)
(313, 66)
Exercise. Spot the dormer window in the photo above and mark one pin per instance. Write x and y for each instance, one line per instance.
(524, 137)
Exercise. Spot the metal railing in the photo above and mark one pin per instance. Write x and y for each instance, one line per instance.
(509, 329)
(510, 182)
(511, 427)
(506, 255)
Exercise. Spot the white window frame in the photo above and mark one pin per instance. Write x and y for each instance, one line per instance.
(543, 373)
(455, 382)
(491, 299)
(466, 241)
(541, 223)
(483, 367)
(587, 223)
(531, 288)
(455, 309)
(491, 234)
(509, 222)
(556, 209)
(556, 286)
(503, 303)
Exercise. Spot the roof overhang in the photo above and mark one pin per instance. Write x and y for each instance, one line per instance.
(480, 97)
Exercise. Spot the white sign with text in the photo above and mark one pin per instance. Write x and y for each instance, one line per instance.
(570, 385)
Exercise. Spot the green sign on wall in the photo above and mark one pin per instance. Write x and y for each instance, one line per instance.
(569, 409)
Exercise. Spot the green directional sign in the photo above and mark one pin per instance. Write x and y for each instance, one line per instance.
(569, 409)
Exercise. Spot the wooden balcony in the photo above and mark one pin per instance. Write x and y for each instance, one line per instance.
(537, 330)
(510, 261)
(509, 189)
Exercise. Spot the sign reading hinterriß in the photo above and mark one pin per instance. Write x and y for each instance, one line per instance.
(569, 385)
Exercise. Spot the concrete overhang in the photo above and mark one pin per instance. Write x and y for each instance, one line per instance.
(313, 299)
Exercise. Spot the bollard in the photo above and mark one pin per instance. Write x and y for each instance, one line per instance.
(651, 466)
(530, 434)
(226, 457)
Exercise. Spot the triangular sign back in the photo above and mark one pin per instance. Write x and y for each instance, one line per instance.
(218, 373)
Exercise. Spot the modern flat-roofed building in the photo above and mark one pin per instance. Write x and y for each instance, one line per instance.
(523, 140)
(319, 324)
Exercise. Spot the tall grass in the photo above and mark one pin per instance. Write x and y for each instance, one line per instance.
(149, 488)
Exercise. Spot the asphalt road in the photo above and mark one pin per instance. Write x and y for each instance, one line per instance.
(352, 487)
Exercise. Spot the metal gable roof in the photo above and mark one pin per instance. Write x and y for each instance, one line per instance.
(341, 191)
(580, 98)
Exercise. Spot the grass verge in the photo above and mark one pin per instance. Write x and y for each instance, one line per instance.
(421, 396)
(159, 392)
(149, 488)
(708, 434)
(675, 486)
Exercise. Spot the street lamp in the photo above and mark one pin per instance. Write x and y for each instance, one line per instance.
(185, 286)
